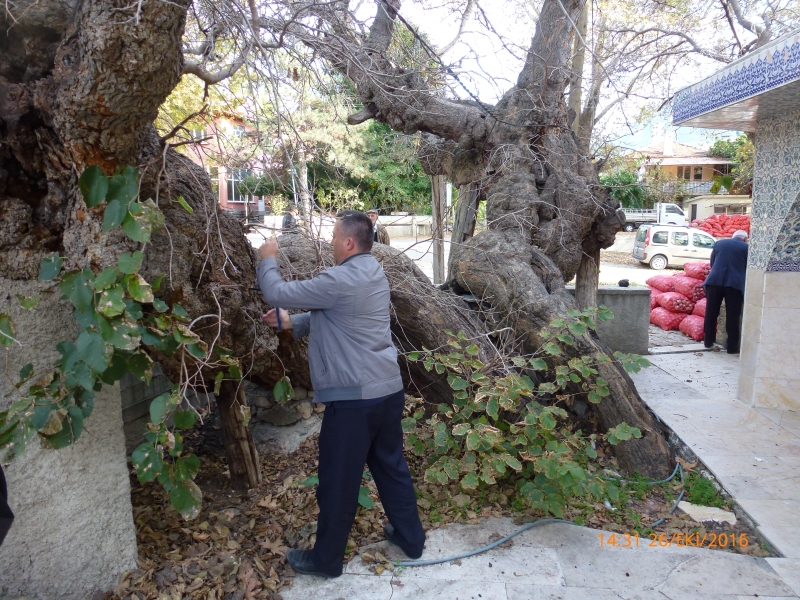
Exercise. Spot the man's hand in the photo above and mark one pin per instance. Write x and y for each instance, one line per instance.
(271, 318)
(269, 249)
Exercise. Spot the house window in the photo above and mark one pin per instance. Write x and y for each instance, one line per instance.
(238, 131)
(722, 169)
(684, 172)
(236, 179)
(198, 134)
(698, 173)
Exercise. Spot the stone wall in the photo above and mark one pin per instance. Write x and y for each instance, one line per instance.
(74, 532)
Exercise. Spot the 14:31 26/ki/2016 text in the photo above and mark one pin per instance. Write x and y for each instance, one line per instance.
(662, 540)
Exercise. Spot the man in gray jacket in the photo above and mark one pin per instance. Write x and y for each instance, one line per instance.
(354, 371)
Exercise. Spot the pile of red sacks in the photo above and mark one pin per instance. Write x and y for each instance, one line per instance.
(723, 226)
(679, 302)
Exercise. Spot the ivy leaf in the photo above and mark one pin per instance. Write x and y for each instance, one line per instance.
(153, 214)
(309, 481)
(218, 382)
(124, 187)
(115, 371)
(137, 227)
(364, 498)
(552, 349)
(456, 382)
(93, 185)
(577, 328)
(186, 467)
(409, 425)
(94, 351)
(130, 263)
(110, 303)
(473, 350)
(538, 364)
(547, 420)
(283, 391)
(114, 215)
(105, 278)
(7, 332)
(50, 267)
(493, 408)
(413, 356)
(184, 419)
(138, 288)
(28, 302)
(158, 408)
(160, 305)
(147, 462)
(141, 366)
(473, 440)
(76, 286)
(461, 429)
(26, 372)
(469, 481)
(179, 311)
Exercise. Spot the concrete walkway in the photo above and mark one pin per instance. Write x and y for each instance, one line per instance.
(754, 455)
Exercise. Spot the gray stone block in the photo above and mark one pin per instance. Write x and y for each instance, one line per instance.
(74, 532)
(628, 331)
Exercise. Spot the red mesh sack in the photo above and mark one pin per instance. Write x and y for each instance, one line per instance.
(654, 293)
(699, 308)
(675, 302)
(690, 287)
(664, 283)
(698, 270)
(665, 319)
(692, 326)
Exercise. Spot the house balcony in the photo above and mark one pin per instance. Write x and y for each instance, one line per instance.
(688, 188)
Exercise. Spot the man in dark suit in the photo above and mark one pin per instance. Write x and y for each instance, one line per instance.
(726, 282)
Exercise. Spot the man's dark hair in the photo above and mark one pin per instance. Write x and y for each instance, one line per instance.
(357, 225)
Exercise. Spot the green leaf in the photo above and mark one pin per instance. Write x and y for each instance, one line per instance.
(130, 263)
(124, 336)
(179, 311)
(473, 440)
(413, 356)
(493, 408)
(76, 286)
(566, 339)
(28, 302)
(187, 499)
(727, 182)
(93, 185)
(538, 364)
(184, 419)
(156, 285)
(456, 382)
(153, 214)
(141, 366)
(7, 332)
(82, 376)
(552, 349)
(124, 187)
(180, 200)
(159, 407)
(473, 350)
(137, 227)
(115, 371)
(461, 429)
(470, 481)
(547, 420)
(218, 382)
(312, 480)
(94, 351)
(364, 498)
(512, 462)
(114, 215)
(110, 302)
(106, 278)
(409, 425)
(26, 372)
(50, 267)
(283, 391)
(160, 305)
(594, 397)
(577, 328)
(186, 467)
(138, 288)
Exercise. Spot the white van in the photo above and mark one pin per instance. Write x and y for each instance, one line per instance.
(663, 246)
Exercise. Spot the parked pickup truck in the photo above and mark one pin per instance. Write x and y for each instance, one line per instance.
(663, 213)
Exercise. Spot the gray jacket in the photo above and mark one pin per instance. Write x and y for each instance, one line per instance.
(350, 350)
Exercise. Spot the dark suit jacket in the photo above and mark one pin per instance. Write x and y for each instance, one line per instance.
(728, 264)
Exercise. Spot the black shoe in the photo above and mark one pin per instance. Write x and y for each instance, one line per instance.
(301, 562)
(388, 532)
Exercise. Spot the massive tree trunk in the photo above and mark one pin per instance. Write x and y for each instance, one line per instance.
(438, 190)
(81, 86)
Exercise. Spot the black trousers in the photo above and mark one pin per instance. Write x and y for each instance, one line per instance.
(734, 301)
(6, 516)
(351, 437)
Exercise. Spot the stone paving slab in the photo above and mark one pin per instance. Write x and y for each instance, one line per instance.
(554, 561)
